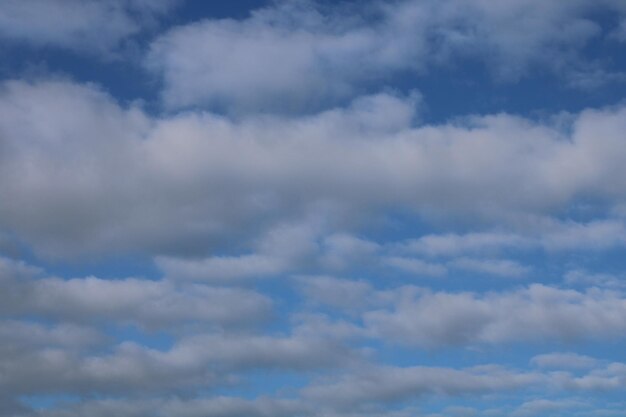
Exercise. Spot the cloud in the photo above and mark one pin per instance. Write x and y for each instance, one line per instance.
(579, 277)
(21, 335)
(335, 292)
(221, 268)
(278, 149)
(205, 181)
(547, 234)
(200, 361)
(451, 244)
(392, 384)
(319, 57)
(84, 25)
(342, 251)
(415, 266)
(543, 406)
(537, 313)
(282, 248)
(432, 319)
(295, 56)
(498, 267)
(152, 304)
(220, 406)
(564, 361)
(608, 378)
(619, 33)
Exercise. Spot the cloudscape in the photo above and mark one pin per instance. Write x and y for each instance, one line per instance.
(312, 208)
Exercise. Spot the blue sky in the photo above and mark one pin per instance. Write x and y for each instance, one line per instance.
(410, 208)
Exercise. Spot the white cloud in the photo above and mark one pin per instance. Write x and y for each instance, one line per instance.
(498, 267)
(580, 277)
(282, 248)
(564, 361)
(542, 406)
(152, 304)
(340, 251)
(307, 169)
(21, 335)
(545, 233)
(200, 361)
(220, 406)
(288, 56)
(451, 244)
(415, 266)
(610, 377)
(221, 268)
(537, 313)
(339, 293)
(392, 384)
(86, 25)
(296, 55)
(206, 181)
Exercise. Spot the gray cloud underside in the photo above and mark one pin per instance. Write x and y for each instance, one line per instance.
(300, 160)
(368, 391)
(149, 304)
(81, 174)
(422, 317)
(73, 357)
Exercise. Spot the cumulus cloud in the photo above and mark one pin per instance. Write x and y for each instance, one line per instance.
(335, 292)
(85, 25)
(220, 406)
(391, 384)
(450, 244)
(607, 378)
(341, 250)
(204, 179)
(298, 55)
(564, 360)
(201, 361)
(498, 267)
(579, 277)
(147, 303)
(415, 266)
(541, 407)
(282, 248)
(547, 234)
(432, 319)
(284, 149)
(537, 313)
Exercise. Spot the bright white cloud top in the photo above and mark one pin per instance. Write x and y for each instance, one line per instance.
(307, 208)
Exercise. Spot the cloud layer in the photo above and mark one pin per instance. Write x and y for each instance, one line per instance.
(208, 210)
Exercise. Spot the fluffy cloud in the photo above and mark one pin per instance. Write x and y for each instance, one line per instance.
(415, 266)
(275, 146)
(297, 55)
(82, 174)
(433, 319)
(218, 407)
(147, 303)
(564, 361)
(201, 361)
(86, 25)
(498, 267)
(545, 233)
(391, 384)
(282, 248)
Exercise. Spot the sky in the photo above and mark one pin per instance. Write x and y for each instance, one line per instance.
(312, 208)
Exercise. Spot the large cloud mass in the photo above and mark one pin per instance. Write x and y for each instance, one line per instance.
(254, 216)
